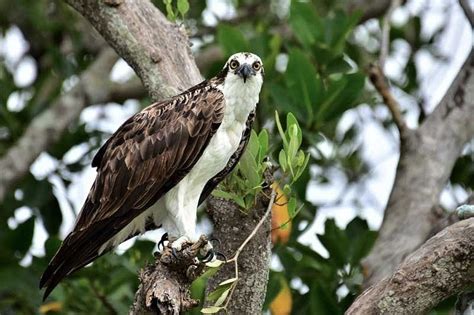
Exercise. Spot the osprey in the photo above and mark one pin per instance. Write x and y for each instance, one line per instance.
(161, 164)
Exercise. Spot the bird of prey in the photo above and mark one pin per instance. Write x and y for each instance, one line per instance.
(161, 164)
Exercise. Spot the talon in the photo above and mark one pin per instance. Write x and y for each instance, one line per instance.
(174, 252)
(219, 254)
(162, 241)
(209, 256)
(218, 242)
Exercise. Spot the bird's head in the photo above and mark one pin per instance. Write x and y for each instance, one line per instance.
(244, 66)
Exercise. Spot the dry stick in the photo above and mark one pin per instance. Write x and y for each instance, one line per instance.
(467, 11)
(377, 76)
(241, 247)
(385, 42)
(379, 81)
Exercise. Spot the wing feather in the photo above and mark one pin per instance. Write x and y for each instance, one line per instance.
(148, 155)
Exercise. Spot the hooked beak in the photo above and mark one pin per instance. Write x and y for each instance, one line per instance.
(245, 71)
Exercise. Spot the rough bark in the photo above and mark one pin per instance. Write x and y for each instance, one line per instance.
(155, 48)
(94, 87)
(254, 261)
(164, 285)
(427, 157)
(442, 267)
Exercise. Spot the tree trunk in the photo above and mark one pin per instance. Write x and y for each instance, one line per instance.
(427, 157)
(234, 226)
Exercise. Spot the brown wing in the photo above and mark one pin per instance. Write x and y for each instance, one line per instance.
(234, 159)
(148, 155)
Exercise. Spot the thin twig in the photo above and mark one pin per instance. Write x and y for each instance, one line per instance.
(242, 246)
(103, 299)
(380, 82)
(385, 42)
(467, 11)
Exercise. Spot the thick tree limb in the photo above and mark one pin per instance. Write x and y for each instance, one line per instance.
(155, 48)
(94, 87)
(427, 157)
(254, 260)
(442, 267)
(164, 285)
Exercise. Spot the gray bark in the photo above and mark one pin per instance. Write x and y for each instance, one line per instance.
(442, 267)
(254, 261)
(427, 157)
(155, 48)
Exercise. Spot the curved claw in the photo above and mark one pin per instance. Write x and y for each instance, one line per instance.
(218, 241)
(162, 241)
(209, 256)
(219, 254)
(174, 252)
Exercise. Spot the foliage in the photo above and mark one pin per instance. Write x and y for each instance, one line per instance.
(314, 76)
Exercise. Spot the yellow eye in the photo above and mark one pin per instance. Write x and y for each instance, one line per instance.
(234, 64)
(256, 65)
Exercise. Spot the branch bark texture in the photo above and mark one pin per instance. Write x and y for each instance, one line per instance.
(253, 263)
(427, 157)
(442, 267)
(155, 48)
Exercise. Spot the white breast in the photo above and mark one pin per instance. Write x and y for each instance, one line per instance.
(176, 210)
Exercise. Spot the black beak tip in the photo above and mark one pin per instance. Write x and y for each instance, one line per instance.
(245, 71)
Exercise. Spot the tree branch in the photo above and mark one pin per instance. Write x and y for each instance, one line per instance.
(93, 87)
(155, 48)
(385, 41)
(253, 260)
(442, 267)
(380, 83)
(427, 157)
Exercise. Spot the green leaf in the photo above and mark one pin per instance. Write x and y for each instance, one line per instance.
(217, 293)
(336, 243)
(19, 240)
(231, 39)
(292, 121)
(229, 196)
(338, 65)
(248, 166)
(282, 161)
(342, 94)
(183, 7)
(303, 82)
(361, 240)
(306, 24)
(169, 10)
(263, 141)
(280, 131)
